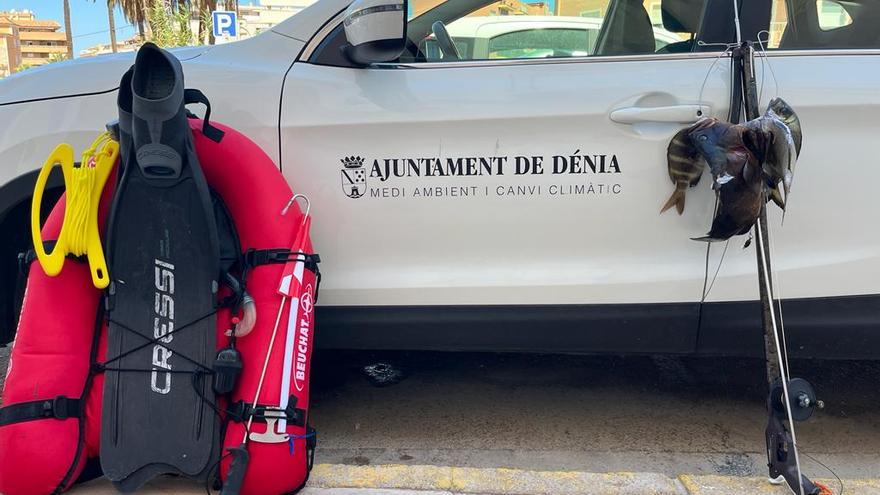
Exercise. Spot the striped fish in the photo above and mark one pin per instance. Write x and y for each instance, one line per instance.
(685, 167)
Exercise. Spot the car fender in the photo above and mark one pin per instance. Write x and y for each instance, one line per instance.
(82, 76)
(243, 81)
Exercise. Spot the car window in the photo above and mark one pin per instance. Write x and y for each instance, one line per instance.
(824, 24)
(543, 42)
(432, 50)
(514, 29)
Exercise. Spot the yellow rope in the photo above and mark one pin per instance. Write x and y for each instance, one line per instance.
(79, 200)
(84, 182)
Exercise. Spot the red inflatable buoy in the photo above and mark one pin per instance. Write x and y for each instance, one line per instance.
(45, 419)
(255, 193)
(51, 412)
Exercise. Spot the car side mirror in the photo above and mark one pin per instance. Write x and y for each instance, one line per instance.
(375, 30)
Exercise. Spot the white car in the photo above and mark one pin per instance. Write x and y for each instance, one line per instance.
(527, 36)
(513, 204)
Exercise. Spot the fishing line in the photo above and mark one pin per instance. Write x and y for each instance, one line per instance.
(736, 22)
(706, 266)
(761, 85)
(776, 83)
(216, 463)
(776, 282)
(727, 49)
(703, 299)
(817, 461)
(769, 64)
(705, 275)
(717, 270)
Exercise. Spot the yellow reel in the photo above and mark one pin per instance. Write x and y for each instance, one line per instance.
(84, 183)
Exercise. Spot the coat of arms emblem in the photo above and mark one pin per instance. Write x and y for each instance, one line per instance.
(354, 177)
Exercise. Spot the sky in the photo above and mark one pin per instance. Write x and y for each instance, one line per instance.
(88, 19)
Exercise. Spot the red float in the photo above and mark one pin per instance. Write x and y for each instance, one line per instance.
(60, 337)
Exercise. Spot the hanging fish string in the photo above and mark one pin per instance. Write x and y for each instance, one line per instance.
(735, 153)
(742, 159)
(765, 60)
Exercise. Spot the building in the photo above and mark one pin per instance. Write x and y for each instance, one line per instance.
(34, 41)
(501, 7)
(129, 45)
(512, 7)
(253, 19)
(10, 52)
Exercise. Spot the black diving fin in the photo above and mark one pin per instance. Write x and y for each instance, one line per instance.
(164, 255)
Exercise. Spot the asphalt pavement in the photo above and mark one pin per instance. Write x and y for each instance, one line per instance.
(461, 422)
(670, 415)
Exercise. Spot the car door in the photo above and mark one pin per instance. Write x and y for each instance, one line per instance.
(507, 181)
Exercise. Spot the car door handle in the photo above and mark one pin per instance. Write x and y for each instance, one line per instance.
(675, 114)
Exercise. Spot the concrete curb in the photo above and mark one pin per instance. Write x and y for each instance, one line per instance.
(723, 485)
(523, 482)
(337, 479)
(491, 481)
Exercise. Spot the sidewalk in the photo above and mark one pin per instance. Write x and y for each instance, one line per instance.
(331, 479)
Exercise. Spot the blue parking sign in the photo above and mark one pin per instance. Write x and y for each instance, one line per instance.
(225, 23)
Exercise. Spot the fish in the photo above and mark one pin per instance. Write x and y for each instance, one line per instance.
(787, 114)
(779, 155)
(720, 143)
(685, 167)
(739, 184)
(706, 135)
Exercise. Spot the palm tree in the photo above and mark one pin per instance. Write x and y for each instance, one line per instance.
(67, 30)
(111, 4)
(135, 12)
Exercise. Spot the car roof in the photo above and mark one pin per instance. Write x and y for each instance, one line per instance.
(490, 26)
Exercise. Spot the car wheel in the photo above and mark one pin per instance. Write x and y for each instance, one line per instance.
(15, 227)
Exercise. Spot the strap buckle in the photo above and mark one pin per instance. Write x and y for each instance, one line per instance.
(60, 407)
(241, 411)
(257, 257)
(56, 408)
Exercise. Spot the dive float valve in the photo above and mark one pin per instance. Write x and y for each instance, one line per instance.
(84, 183)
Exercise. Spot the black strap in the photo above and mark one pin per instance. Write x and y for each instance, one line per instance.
(311, 444)
(241, 411)
(196, 96)
(256, 257)
(24, 261)
(60, 407)
(27, 257)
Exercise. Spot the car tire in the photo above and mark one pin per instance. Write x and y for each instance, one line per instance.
(15, 226)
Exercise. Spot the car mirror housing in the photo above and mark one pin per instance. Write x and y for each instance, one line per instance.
(375, 30)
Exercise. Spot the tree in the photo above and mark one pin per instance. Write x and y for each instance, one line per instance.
(170, 26)
(57, 57)
(67, 29)
(111, 4)
(135, 12)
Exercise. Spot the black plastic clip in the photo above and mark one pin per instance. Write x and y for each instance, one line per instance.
(57, 408)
